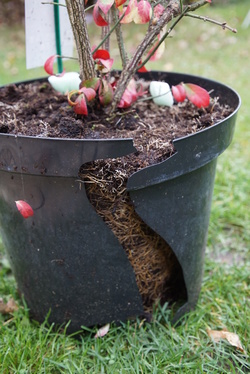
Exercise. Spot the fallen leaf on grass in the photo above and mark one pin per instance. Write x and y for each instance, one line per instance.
(231, 337)
(102, 331)
(9, 307)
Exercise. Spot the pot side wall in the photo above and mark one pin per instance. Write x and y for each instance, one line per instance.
(65, 259)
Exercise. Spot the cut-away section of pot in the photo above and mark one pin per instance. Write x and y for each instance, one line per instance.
(158, 274)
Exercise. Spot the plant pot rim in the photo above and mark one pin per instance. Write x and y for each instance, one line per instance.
(64, 156)
(147, 77)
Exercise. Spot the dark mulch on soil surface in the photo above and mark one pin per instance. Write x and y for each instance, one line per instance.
(36, 110)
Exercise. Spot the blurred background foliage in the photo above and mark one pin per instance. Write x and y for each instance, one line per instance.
(12, 11)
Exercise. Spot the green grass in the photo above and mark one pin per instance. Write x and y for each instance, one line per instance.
(139, 347)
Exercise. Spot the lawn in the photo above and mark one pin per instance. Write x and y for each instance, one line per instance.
(138, 347)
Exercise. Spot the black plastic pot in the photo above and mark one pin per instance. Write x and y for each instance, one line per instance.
(65, 259)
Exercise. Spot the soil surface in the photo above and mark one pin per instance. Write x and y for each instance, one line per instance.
(36, 110)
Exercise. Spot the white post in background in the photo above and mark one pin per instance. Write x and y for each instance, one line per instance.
(40, 32)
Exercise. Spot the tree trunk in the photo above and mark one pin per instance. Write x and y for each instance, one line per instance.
(77, 18)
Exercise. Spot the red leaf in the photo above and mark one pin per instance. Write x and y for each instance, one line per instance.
(105, 5)
(88, 92)
(130, 95)
(24, 208)
(143, 69)
(102, 58)
(130, 12)
(101, 53)
(119, 3)
(99, 20)
(197, 95)
(209, 1)
(179, 93)
(48, 66)
(144, 12)
(107, 64)
(138, 12)
(80, 106)
(158, 11)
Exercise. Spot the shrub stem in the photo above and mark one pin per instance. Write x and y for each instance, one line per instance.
(78, 22)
